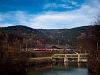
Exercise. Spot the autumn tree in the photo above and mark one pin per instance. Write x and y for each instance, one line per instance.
(94, 52)
(2, 43)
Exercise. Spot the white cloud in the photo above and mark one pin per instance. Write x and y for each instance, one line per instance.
(51, 20)
(71, 2)
(74, 3)
(54, 5)
(5, 25)
(61, 20)
(3, 16)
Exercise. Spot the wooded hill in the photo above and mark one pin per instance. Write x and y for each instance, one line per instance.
(41, 37)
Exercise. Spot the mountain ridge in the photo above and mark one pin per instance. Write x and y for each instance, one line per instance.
(48, 36)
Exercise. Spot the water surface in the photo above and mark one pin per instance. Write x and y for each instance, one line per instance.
(60, 69)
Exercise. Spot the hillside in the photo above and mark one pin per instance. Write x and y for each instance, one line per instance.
(48, 36)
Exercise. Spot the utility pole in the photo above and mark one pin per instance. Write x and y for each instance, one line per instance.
(6, 39)
(97, 46)
(26, 46)
(58, 42)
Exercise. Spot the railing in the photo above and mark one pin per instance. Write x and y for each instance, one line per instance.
(69, 56)
(79, 57)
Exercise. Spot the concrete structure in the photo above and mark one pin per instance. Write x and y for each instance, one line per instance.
(79, 57)
(66, 57)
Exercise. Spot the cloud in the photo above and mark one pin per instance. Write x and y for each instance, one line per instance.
(54, 5)
(61, 20)
(72, 2)
(5, 25)
(53, 19)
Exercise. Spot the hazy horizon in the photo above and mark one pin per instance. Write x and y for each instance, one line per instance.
(45, 28)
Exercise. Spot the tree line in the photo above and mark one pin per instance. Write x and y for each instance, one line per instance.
(90, 43)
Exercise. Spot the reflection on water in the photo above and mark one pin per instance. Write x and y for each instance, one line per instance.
(60, 69)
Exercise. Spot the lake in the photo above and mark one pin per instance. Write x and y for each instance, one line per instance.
(59, 69)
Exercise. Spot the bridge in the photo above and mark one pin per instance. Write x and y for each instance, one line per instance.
(79, 57)
(66, 57)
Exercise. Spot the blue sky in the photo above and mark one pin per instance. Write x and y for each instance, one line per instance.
(48, 14)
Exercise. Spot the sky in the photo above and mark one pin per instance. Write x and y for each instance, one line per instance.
(48, 14)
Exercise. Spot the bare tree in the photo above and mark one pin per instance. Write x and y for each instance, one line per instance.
(97, 19)
(94, 53)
